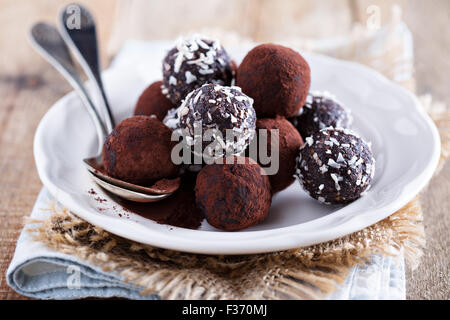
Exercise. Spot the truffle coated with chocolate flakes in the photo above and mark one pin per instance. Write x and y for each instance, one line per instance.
(234, 195)
(277, 78)
(139, 151)
(321, 110)
(225, 113)
(288, 143)
(153, 102)
(335, 166)
(193, 62)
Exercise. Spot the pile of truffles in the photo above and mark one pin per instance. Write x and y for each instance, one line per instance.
(217, 109)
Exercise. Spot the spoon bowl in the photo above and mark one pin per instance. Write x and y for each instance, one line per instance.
(127, 193)
(161, 187)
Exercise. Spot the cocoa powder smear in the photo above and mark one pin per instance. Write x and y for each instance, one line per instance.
(179, 210)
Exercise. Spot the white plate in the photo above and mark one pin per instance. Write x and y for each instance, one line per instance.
(405, 144)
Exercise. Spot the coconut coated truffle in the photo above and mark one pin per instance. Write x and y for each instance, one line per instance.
(153, 102)
(224, 113)
(233, 196)
(193, 62)
(277, 78)
(335, 166)
(321, 110)
(289, 141)
(139, 151)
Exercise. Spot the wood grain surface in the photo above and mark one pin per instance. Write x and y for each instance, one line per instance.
(29, 87)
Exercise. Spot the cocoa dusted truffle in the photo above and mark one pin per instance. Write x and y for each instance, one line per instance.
(224, 113)
(139, 151)
(153, 102)
(234, 195)
(193, 62)
(335, 166)
(277, 78)
(321, 110)
(289, 141)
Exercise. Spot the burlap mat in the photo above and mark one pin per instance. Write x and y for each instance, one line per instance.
(304, 273)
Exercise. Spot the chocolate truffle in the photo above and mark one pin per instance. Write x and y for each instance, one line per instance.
(234, 195)
(193, 62)
(224, 113)
(139, 151)
(321, 110)
(277, 78)
(153, 102)
(289, 141)
(335, 166)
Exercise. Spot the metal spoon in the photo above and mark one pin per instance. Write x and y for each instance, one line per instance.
(49, 43)
(77, 27)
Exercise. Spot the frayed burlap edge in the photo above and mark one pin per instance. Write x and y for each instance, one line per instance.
(303, 273)
(440, 114)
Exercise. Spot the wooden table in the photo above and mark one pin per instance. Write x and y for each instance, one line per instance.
(29, 87)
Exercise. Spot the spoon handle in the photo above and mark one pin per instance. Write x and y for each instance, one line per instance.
(47, 41)
(77, 27)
